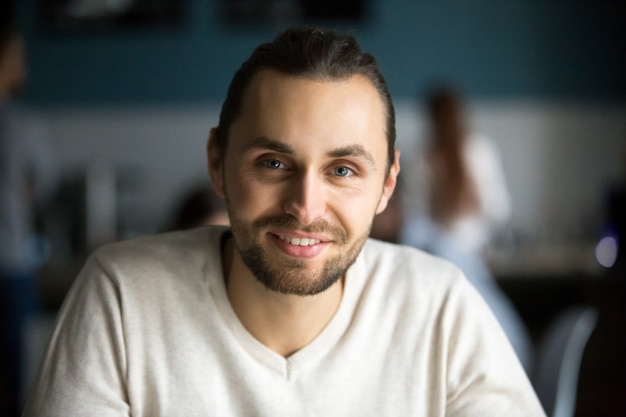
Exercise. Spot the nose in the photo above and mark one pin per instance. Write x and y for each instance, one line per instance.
(306, 199)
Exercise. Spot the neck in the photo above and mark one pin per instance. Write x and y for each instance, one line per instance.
(284, 323)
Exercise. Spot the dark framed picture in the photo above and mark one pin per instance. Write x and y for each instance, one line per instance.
(268, 12)
(101, 16)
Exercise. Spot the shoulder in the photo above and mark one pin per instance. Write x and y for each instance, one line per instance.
(407, 270)
(141, 275)
(168, 243)
(422, 291)
(416, 293)
(405, 258)
(153, 256)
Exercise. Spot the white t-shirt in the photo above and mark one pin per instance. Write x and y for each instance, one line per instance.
(147, 330)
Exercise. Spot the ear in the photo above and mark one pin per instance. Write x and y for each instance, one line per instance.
(390, 183)
(215, 162)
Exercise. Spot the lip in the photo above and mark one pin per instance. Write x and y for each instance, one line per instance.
(301, 235)
(298, 251)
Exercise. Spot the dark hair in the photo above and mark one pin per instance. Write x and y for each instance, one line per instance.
(443, 98)
(456, 192)
(313, 53)
(8, 34)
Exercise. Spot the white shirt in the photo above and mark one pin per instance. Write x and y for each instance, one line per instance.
(147, 330)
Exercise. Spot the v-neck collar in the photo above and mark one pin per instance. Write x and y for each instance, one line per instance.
(308, 355)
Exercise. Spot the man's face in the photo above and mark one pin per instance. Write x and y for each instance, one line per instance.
(303, 174)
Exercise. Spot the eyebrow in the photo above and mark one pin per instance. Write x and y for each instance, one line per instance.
(354, 151)
(269, 144)
(264, 142)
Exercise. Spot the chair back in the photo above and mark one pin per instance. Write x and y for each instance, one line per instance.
(559, 358)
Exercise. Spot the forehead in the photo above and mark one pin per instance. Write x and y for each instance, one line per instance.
(301, 110)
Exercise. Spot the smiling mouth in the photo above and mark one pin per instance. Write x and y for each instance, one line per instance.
(299, 241)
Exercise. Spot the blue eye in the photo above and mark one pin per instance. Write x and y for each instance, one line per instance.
(342, 171)
(273, 164)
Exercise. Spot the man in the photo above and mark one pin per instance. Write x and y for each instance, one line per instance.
(292, 311)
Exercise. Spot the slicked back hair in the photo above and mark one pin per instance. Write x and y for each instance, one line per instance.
(311, 53)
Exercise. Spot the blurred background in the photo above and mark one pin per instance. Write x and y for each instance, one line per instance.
(124, 92)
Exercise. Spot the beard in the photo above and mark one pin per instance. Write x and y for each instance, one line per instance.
(290, 275)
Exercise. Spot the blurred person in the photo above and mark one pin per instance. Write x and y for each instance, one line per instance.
(457, 183)
(26, 179)
(455, 196)
(199, 206)
(292, 310)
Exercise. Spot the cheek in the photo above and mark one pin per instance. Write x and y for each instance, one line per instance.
(354, 211)
(246, 196)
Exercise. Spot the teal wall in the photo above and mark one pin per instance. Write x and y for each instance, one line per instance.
(547, 49)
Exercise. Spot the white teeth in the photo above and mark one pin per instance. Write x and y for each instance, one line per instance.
(300, 241)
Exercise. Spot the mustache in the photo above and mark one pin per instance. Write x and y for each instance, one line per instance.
(289, 222)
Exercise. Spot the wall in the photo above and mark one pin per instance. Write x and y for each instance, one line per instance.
(553, 49)
(546, 81)
(558, 158)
